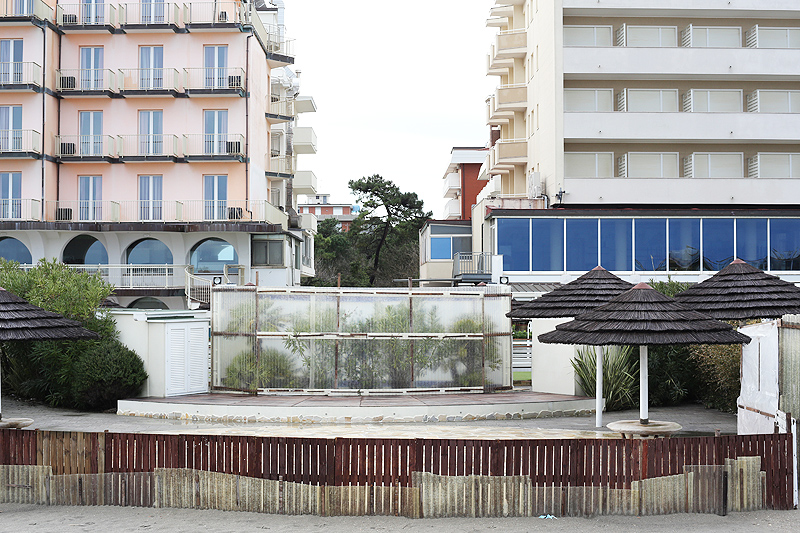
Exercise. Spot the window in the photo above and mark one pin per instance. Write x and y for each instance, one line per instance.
(152, 11)
(215, 130)
(778, 166)
(90, 196)
(616, 238)
(717, 243)
(652, 36)
(588, 36)
(684, 244)
(588, 100)
(784, 241)
(778, 101)
(215, 61)
(10, 61)
(652, 100)
(150, 198)
(514, 243)
(548, 244)
(151, 132)
(12, 249)
(91, 67)
(652, 165)
(148, 252)
(651, 244)
(85, 250)
(717, 37)
(582, 244)
(267, 250)
(779, 37)
(151, 62)
(751, 241)
(10, 195)
(211, 255)
(589, 165)
(91, 132)
(717, 165)
(92, 11)
(447, 247)
(11, 128)
(716, 101)
(215, 197)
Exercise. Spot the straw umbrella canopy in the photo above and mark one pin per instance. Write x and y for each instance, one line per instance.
(740, 292)
(645, 317)
(22, 321)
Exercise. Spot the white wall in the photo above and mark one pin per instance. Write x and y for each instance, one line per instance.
(552, 368)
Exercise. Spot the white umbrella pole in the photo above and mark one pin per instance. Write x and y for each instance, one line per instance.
(643, 414)
(598, 405)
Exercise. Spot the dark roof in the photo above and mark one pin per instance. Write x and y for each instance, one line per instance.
(517, 287)
(591, 290)
(22, 321)
(643, 316)
(741, 291)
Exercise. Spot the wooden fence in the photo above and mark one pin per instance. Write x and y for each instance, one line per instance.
(398, 476)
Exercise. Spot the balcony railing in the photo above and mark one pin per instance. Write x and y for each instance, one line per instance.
(86, 14)
(214, 144)
(452, 185)
(304, 140)
(281, 106)
(85, 79)
(20, 209)
(219, 12)
(154, 146)
(82, 211)
(308, 221)
(25, 8)
(276, 41)
(224, 211)
(20, 73)
(304, 182)
(511, 44)
(472, 263)
(138, 276)
(150, 211)
(149, 79)
(150, 13)
(281, 164)
(452, 209)
(85, 146)
(20, 141)
(214, 78)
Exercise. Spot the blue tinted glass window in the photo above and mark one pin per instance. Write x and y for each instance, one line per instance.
(684, 244)
(651, 244)
(13, 250)
(784, 240)
(581, 244)
(548, 244)
(440, 248)
(717, 243)
(616, 243)
(514, 243)
(149, 252)
(211, 255)
(751, 241)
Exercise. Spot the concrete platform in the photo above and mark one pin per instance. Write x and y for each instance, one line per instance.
(450, 407)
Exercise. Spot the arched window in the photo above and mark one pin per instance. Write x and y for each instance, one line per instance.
(85, 250)
(147, 302)
(148, 252)
(12, 249)
(210, 255)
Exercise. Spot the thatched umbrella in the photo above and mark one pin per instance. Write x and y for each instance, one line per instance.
(585, 293)
(740, 292)
(645, 317)
(22, 321)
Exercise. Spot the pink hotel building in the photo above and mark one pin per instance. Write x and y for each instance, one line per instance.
(155, 142)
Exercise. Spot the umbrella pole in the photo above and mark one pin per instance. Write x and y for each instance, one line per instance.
(643, 414)
(598, 388)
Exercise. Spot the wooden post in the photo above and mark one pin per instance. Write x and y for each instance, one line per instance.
(643, 411)
(598, 402)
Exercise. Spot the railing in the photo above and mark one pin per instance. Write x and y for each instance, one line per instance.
(150, 211)
(197, 289)
(308, 221)
(18, 73)
(86, 14)
(20, 209)
(85, 146)
(214, 78)
(20, 141)
(85, 79)
(758, 37)
(274, 37)
(281, 106)
(159, 144)
(472, 263)
(773, 101)
(452, 209)
(82, 211)
(281, 164)
(219, 210)
(149, 79)
(138, 276)
(452, 182)
(150, 13)
(209, 144)
(23, 8)
(219, 12)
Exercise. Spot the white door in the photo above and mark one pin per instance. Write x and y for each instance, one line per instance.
(10, 61)
(91, 132)
(215, 196)
(151, 132)
(216, 66)
(10, 128)
(10, 195)
(215, 129)
(186, 358)
(150, 198)
(91, 67)
(90, 195)
(152, 11)
(92, 11)
(151, 67)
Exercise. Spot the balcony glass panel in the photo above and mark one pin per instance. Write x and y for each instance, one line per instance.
(648, 165)
(779, 101)
(718, 37)
(684, 244)
(751, 241)
(440, 248)
(779, 165)
(717, 243)
(548, 244)
(589, 165)
(582, 244)
(616, 237)
(514, 243)
(588, 36)
(716, 101)
(651, 244)
(589, 100)
(779, 37)
(718, 165)
(784, 240)
(652, 100)
(652, 36)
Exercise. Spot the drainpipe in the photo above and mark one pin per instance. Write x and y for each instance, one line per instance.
(58, 129)
(247, 122)
(44, 115)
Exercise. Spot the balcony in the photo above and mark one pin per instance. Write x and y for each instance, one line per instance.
(86, 17)
(279, 49)
(280, 110)
(138, 276)
(145, 16)
(305, 104)
(82, 211)
(149, 81)
(511, 44)
(20, 209)
(214, 147)
(304, 141)
(308, 222)
(512, 97)
(81, 82)
(221, 211)
(495, 66)
(150, 211)
(85, 148)
(153, 147)
(452, 209)
(506, 153)
(215, 16)
(304, 182)
(494, 116)
(227, 81)
(20, 76)
(472, 267)
(452, 185)
(280, 166)
(20, 144)
(16, 11)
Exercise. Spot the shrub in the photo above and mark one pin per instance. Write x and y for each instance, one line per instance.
(718, 369)
(274, 369)
(106, 371)
(620, 381)
(672, 375)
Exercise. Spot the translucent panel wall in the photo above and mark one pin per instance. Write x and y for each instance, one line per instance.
(361, 338)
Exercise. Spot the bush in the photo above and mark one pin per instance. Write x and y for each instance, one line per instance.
(273, 370)
(620, 380)
(718, 369)
(105, 372)
(672, 375)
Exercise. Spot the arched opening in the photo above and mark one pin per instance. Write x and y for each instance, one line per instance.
(211, 255)
(147, 302)
(85, 250)
(12, 249)
(148, 252)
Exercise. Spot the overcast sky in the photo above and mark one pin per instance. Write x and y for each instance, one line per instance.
(397, 85)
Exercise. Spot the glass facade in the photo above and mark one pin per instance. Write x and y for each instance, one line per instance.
(647, 244)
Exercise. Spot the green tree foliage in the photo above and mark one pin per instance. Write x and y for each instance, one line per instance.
(620, 375)
(719, 375)
(271, 368)
(105, 372)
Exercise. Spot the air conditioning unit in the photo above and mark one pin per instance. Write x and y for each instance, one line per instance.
(223, 16)
(69, 18)
(234, 82)
(234, 213)
(233, 147)
(67, 148)
(64, 213)
(67, 82)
